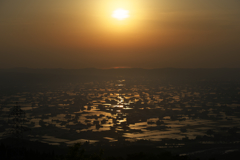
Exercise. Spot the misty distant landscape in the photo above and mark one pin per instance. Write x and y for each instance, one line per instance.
(181, 110)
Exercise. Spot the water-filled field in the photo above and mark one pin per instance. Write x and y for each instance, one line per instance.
(126, 109)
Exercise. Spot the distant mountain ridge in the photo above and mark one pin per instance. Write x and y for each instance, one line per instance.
(28, 75)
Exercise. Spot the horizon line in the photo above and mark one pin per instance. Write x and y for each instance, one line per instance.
(117, 68)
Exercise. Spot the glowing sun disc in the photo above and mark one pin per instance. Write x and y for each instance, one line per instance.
(120, 14)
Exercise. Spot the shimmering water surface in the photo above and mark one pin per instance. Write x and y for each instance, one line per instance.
(122, 109)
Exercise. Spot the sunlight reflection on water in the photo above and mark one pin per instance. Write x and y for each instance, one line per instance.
(134, 112)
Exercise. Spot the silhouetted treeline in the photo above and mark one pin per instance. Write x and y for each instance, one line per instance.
(26, 150)
(77, 153)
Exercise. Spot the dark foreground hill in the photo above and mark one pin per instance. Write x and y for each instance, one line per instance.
(16, 149)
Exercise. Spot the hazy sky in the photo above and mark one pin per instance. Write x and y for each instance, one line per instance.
(82, 34)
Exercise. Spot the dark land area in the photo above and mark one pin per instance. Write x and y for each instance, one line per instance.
(120, 113)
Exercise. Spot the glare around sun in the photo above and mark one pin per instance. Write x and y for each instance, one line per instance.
(120, 14)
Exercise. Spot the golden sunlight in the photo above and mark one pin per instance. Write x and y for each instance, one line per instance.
(120, 14)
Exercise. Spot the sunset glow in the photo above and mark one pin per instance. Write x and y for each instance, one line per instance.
(113, 33)
(151, 79)
(120, 14)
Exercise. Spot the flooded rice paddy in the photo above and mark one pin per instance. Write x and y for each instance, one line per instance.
(125, 110)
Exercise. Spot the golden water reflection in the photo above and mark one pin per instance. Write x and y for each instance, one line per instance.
(93, 111)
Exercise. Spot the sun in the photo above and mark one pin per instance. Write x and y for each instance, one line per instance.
(120, 14)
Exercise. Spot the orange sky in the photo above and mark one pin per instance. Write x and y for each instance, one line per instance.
(81, 34)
